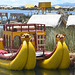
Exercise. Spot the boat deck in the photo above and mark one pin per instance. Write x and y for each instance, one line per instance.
(39, 55)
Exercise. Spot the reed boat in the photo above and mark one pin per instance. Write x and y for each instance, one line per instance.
(24, 58)
(59, 57)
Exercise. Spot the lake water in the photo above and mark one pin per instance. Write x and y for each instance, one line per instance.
(37, 71)
(20, 11)
(29, 11)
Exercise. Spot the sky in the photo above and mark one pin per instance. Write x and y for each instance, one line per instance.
(23, 2)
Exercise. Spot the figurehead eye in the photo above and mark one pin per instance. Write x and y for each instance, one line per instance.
(58, 36)
(63, 36)
(23, 35)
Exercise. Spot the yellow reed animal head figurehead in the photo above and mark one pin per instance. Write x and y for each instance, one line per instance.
(60, 37)
(25, 37)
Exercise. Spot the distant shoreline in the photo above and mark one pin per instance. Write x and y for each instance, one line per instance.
(33, 8)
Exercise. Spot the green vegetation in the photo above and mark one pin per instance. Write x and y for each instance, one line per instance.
(1, 32)
(70, 37)
(24, 18)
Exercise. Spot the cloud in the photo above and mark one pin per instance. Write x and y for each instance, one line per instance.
(13, 0)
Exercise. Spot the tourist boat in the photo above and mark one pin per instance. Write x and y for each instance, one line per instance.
(59, 57)
(32, 49)
(24, 58)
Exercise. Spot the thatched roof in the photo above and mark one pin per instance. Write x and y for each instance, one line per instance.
(71, 20)
(49, 20)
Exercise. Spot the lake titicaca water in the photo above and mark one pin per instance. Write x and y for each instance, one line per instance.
(26, 12)
(37, 71)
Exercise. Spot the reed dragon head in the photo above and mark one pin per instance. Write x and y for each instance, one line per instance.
(25, 37)
(60, 37)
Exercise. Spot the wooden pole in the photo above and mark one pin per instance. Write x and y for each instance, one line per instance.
(4, 40)
(7, 41)
(12, 44)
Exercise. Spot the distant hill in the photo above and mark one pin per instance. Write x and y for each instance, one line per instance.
(65, 4)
